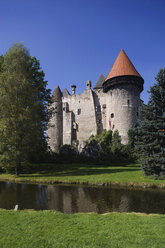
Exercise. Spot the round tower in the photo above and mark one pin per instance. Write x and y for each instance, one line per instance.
(123, 86)
(55, 130)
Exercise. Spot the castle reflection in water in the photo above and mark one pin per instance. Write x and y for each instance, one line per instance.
(72, 199)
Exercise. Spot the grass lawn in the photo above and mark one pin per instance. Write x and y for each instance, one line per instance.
(48, 229)
(130, 175)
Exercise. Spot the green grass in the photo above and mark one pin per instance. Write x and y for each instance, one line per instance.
(88, 174)
(48, 229)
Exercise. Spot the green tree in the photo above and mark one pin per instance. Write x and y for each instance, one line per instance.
(129, 150)
(116, 143)
(150, 135)
(1, 62)
(23, 108)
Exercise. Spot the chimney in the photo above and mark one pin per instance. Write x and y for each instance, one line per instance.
(73, 89)
(88, 84)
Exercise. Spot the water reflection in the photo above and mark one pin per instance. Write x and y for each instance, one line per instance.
(25, 195)
(71, 199)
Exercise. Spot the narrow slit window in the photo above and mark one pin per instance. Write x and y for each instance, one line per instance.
(128, 102)
(78, 111)
(98, 108)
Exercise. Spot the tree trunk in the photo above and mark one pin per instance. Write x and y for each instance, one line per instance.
(17, 168)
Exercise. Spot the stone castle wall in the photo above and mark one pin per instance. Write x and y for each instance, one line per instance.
(101, 108)
(55, 127)
(114, 104)
(123, 104)
(77, 117)
(83, 117)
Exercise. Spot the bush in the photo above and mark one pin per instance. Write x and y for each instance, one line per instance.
(107, 147)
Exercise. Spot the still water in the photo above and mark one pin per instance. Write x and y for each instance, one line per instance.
(72, 199)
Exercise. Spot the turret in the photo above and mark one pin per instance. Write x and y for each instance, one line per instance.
(123, 86)
(55, 130)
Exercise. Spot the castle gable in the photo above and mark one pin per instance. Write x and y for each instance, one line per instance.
(65, 93)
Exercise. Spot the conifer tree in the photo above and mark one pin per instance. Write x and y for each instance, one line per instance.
(150, 135)
(23, 108)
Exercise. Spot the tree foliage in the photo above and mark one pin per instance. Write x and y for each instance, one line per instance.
(110, 147)
(150, 135)
(116, 145)
(104, 140)
(23, 108)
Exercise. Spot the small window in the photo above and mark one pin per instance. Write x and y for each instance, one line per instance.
(98, 108)
(78, 111)
(128, 102)
(100, 121)
(112, 115)
(137, 113)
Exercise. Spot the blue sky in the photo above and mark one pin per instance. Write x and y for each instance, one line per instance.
(78, 40)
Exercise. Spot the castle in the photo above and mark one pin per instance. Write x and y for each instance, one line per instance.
(114, 103)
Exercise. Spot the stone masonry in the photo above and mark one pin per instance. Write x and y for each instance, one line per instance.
(114, 103)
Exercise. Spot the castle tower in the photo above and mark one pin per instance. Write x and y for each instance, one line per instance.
(123, 86)
(55, 130)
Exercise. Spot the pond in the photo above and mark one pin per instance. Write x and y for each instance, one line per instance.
(73, 199)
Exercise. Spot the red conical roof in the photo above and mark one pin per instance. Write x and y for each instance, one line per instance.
(122, 67)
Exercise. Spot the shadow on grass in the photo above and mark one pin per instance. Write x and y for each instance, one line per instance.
(62, 171)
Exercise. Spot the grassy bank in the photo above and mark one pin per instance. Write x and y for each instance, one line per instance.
(129, 175)
(48, 229)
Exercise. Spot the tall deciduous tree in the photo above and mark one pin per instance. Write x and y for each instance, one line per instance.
(150, 136)
(23, 108)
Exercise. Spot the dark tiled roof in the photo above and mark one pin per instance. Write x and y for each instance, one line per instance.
(65, 93)
(57, 95)
(100, 82)
(122, 67)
